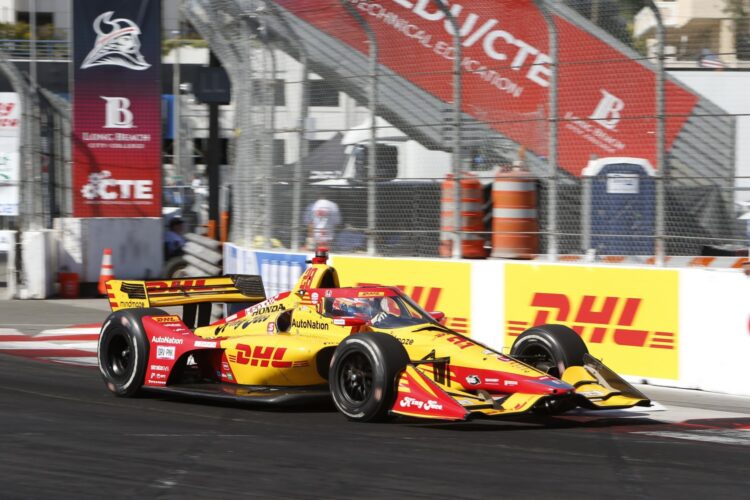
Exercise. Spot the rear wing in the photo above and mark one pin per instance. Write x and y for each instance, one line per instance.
(130, 294)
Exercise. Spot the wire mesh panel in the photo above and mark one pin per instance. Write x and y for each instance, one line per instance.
(308, 77)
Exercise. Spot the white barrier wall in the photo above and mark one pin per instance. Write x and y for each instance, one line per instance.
(671, 327)
(137, 246)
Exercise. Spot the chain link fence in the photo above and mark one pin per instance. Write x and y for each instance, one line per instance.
(365, 104)
(356, 102)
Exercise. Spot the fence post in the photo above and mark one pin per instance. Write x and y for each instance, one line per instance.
(456, 153)
(661, 164)
(552, 243)
(302, 145)
(372, 96)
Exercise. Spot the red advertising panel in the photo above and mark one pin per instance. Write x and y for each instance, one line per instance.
(606, 100)
(117, 108)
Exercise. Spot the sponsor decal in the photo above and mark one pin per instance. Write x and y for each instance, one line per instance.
(166, 340)
(429, 405)
(506, 70)
(102, 186)
(510, 383)
(329, 293)
(175, 286)
(260, 356)
(166, 319)
(492, 380)
(159, 368)
(628, 317)
(133, 290)
(405, 341)
(310, 324)
(125, 304)
(473, 380)
(158, 376)
(371, 294)
(314, 297)
(165, 351)
(117, 44)
(460, 342)
(255, 311)
(339, 321)
(206, 344)
(271, 328)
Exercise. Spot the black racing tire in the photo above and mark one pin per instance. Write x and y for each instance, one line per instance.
(363, 375)
(550, 348)
(122, 350)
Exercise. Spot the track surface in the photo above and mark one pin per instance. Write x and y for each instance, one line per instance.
(62, 435)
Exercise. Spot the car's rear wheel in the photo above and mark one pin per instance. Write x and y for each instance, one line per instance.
(363, 375)
(122, 351)
(550, 348)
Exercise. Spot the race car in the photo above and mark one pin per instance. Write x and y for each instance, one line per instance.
(370, 349)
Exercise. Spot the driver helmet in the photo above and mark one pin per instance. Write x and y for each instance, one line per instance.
(354, 307)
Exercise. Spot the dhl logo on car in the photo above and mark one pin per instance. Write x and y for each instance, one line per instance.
(175, 285)
(263, 357)
(596, 319)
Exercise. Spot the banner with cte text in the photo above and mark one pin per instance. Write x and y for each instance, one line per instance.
(117, 108)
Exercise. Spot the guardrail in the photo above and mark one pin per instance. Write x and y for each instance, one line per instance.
(58, 50)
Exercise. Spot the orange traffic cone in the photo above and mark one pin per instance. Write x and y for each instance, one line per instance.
(107, 271)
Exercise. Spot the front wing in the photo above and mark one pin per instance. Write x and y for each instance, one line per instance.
(596, 387)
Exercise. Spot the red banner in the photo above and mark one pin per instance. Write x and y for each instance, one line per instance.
(606, 100)
(117, 109)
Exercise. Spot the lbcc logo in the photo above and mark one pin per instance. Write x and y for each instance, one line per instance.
(612, 320)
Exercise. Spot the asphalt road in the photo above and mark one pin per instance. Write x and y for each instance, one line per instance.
(62, 435)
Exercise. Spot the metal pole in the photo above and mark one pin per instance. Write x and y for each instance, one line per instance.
(552, 243)
(662, 173)
(372, 96)
(177, 107)
(302, 145)
(456, 154)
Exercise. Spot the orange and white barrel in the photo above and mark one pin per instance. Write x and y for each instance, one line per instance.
(472, 224)
(515, 225)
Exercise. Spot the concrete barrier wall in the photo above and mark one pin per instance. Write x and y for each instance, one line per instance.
(671, 327)
(137, 246)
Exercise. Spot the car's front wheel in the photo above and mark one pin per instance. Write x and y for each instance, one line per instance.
(550, 348)
(363, 375)
(123, 349)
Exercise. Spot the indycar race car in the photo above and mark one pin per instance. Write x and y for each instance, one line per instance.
(371, 349)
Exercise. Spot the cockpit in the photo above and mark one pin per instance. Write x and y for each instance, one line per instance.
(380, 306)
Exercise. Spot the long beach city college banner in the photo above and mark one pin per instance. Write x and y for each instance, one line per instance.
(606, 99)
(117, 108)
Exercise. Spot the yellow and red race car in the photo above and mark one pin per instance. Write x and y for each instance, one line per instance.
(371, 349)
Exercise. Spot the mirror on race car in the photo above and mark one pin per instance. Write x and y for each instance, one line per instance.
(438, 316)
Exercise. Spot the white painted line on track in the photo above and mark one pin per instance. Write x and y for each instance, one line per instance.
(42, 346)
(80, 361)
(69, 331)
(720, 436)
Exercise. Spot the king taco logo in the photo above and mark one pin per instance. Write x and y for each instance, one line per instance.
(117, 43)
(627, 317)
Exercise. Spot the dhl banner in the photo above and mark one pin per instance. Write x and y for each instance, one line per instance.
(629, 318)
(434, 285)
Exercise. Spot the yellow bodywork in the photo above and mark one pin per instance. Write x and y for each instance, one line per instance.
(281, 341)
